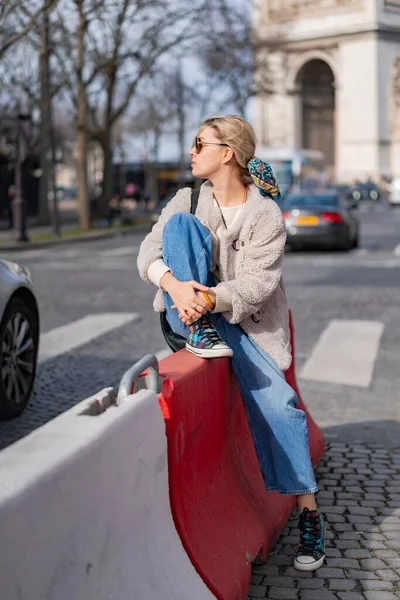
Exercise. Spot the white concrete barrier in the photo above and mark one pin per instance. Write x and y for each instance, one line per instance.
(85, 512)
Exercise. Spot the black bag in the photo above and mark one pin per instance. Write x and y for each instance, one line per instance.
(174, 340)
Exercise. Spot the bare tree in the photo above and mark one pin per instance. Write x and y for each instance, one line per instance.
(18, 18)
(116, 47)
(237, 60)
(162, 109)
(152, 118)
(48, 191)
(104, 51)
(34, 94)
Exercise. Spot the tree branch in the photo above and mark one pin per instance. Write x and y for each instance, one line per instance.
(48, 5)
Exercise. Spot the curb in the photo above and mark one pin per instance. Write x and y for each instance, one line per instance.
(87, 237)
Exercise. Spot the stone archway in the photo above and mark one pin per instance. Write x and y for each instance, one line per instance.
(394, 118)
(315, 82)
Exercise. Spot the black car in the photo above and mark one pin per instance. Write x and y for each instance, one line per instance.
(366, 191)
(345, 190)
(320, 219)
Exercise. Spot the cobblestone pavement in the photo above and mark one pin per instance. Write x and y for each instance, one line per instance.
(359, 492)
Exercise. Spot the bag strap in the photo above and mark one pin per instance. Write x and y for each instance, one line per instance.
(194, 200)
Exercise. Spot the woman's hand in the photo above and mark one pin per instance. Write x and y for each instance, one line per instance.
(190, 304)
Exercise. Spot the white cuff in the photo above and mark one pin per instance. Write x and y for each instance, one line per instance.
(222, 304)
(156, 270)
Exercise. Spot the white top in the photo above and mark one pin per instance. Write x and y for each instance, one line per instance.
(158, 268)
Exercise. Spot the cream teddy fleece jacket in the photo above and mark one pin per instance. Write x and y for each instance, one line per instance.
(158, 268)
(250, 277)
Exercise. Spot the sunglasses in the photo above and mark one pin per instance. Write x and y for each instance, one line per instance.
(198, 144)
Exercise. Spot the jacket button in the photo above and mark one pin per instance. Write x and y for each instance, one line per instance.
(235, 245)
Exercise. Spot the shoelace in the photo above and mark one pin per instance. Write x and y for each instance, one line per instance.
(204, 328)
(309, 526)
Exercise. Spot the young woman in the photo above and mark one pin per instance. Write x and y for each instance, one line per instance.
(219, 274)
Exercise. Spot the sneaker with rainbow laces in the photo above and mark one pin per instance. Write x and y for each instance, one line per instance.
(205, 342)
(310, 554)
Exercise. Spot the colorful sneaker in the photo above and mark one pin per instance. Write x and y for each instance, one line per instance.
(204, 340)
(311, 551)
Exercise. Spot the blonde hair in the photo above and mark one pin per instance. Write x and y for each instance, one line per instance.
(239, 135)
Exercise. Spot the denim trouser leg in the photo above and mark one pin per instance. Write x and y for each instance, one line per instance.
(187, 250)
(278, 428)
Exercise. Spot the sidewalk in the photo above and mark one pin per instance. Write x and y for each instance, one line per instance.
(70, 233)
(360, 495)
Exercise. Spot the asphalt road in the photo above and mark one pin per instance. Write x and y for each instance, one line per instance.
(93, 293)
(99, 278)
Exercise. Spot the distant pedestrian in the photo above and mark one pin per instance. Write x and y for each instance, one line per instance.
(10, 201)
(146, 199)
(220, 278)
(137, 195)
(114, 209)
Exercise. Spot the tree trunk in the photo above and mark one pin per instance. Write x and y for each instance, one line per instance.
(81, 136)
(43, 213)
(107, 184)
(122, 175)
(181, 125)
(81, 171)
(48, 193)
(151, 182)
(44, 179)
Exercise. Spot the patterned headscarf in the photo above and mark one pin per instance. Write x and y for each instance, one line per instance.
(263, 178)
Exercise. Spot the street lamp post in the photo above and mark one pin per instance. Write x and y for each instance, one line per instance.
(19, 209)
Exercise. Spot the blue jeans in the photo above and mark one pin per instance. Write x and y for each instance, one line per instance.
(278, 428)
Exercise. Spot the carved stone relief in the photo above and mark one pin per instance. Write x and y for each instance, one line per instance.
(391, 4)
(282, 10)
(396, 81)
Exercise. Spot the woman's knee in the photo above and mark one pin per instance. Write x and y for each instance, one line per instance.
(179, 221)
(185, 233)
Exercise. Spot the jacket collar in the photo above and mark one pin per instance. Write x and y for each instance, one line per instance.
(212, 213)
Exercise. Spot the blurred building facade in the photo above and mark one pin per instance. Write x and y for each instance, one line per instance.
(332, 82)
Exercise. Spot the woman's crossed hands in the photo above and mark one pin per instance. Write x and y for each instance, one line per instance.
(187, 297)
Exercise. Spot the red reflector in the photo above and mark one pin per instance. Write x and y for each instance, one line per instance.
(286, 215)
(332, 217)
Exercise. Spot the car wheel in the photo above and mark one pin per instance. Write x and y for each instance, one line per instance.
(19, 341)
(345, 245)
(296, 247)
(356, 241)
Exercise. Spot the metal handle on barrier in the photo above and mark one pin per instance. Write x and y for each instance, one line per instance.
(149, 362)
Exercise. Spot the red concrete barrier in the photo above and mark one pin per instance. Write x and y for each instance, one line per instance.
(225, 518)
(316, 438)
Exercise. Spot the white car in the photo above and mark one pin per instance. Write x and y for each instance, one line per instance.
(394, 192)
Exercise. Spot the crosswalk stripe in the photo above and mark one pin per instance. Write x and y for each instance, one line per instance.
(62, 254)
(72, 253)
(163, 353)
(19, 256)
(68, 337)
(345, 353)
(122, 251)
(93, 263)
(363, 262)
